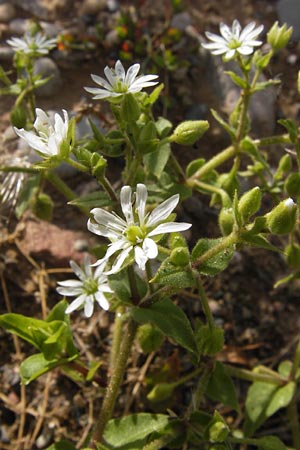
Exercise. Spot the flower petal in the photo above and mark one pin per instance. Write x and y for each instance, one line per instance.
(131, 74)
(75, 304)
(140, 203)
(162, 211)
(88, 306)
(140, 257)
(150, 248)
(170, 227)
(126, 204)
(102, 301)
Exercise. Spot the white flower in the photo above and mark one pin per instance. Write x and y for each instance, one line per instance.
(90, 288)
(134, 234)
(50, 133)
(37, 44)
(119, 82)
(234, 39)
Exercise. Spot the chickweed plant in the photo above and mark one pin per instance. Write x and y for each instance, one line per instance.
(145, 262)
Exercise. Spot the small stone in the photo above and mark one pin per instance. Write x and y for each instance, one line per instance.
(50, 29)
(112, 38)
(113, 5)
(83, 127)
(19, 26)
(46, 67)
(7, 12)
(6, 53)
(81, 245)
(181, 21)
(92, 7)
(292, 59)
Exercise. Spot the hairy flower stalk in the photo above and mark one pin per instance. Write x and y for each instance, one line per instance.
(49, 133)
(234, 40)
(120, 82)
(90, 288)
(132, 237)
(36, 45)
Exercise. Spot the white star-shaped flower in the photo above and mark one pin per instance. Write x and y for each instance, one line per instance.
(120, 82)
(49, 135)
(34, 45)
(133, 236)
(234, 40)
(91, 287)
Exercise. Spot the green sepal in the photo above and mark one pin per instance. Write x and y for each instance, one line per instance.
(130, 109)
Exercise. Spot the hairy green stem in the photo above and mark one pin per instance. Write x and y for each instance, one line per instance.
(296, 362)
(117, 337)
(214, 162)
(114, 384)
(227, 241)
(205, 305)
(249, 375)
(293, 415)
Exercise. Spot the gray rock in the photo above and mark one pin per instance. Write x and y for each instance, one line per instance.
(7, 12)
(181, 21)
(43, 9)
(6, 53)
(19, 26)
(289, 12)
(92, 7)
(50, 29)
(46, 67)
(83, 128)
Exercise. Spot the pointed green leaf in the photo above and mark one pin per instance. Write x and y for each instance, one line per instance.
(134, 429)
(270, 443)
(221, 388)
(36, 365)
(171, 321)
(156, 161)
(218, 262)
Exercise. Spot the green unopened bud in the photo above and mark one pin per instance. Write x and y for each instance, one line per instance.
(278, 37)
(281, 220)
(229, 182)
(292, 185)
(180, 256)
(42, 207)
(249, 203)
(188, 132)
(292, 253)
(161, 392)
(18, 117)
(98, 164)
(150, 338)
(284, 166)
(130, 109)
(217, 430)
(177, 240)
(226, 221)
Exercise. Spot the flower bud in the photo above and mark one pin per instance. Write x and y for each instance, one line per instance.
(284, 166)
(98, 164)
(292, 253)
(249, 203)
(282, 218)
(188, 132)
(226, 221)
(292, 185)
(161, 392)
(180, 256)
(278, 37)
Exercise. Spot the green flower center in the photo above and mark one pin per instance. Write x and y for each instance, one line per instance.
(234, 43)
(90, 286)
(120, 87)
(135, 234)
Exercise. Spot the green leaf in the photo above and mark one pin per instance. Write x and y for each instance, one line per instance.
(221, 388)
(163, 127)
(62, 445)
(263, 400)
(156, 161)
(258, 241)
(23, 327)
(218, 262)
(134, 429)
(58, 312)
(153, 97)
(270, 443)
(97, 199)
(237, 80)
(291, 128)
(171, 321)
(174, 275)
(36, 365)
(224, 124)
(119, 283)
(209, 341)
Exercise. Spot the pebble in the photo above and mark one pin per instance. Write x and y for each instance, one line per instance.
(6, 53)
(92, 7)
(81, 245)
(47, 68)
(7, 12)
(292, 59)
(19, 26)
(289, 12)
(181, 21)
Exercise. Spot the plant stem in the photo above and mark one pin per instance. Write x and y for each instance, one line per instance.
(214, 162)
(108, 188)
(248, 375)
(205, 305)
(117, 337)
(114, 384)
(296, 362)
(292, 411)
(133, 286)
(77, 165)
(201, 388)
(226, 242)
